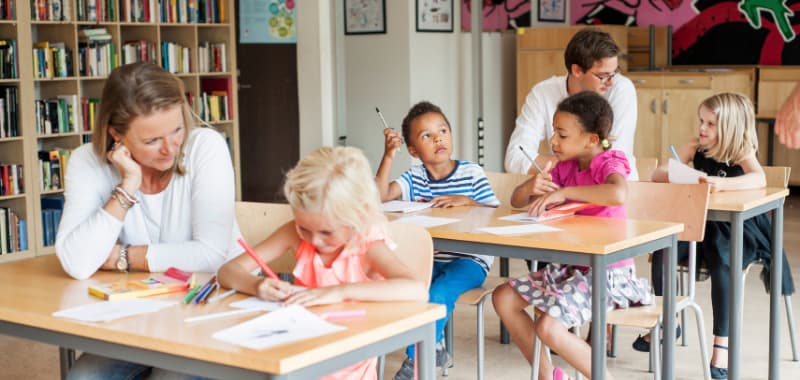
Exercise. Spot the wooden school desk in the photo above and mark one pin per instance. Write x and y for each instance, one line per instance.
(582, 240)
(735, 207)
(33, 289)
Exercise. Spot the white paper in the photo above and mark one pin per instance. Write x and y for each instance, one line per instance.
(521, 217)
(405, 206)
(257, 303)
(111, 310)
(519, 229)
(425, 221)
(681, 173)
(287, 324)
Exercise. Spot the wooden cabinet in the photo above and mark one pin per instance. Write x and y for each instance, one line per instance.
(61, 65)
(540, 54)
(774, 86)
(667, 105)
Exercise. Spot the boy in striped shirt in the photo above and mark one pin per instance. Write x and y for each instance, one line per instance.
(446, 183)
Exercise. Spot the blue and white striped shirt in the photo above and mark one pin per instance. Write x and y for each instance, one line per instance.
(467, 179)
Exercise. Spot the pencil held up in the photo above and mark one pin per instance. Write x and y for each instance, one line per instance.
(261, 264)
(533, 162)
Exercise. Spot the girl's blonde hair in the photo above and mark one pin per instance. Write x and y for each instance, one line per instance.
(134, 90)
(736, 127)
(337, 183)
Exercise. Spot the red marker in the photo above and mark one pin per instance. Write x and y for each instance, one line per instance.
(261, 263)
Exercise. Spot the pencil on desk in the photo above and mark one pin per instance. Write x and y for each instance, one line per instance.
(223, 314)
(222, 296)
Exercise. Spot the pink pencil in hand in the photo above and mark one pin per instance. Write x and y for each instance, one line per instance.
(261, 263)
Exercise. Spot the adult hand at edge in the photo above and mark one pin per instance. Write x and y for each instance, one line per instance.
(787, 120)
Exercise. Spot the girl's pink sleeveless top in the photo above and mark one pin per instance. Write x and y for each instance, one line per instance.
(347, 268)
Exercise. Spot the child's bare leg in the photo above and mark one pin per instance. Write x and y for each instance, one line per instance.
(510, 307)
(569, 346)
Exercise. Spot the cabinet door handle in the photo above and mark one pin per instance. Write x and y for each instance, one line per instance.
(653, 106)
(666, 106)
(687, 81)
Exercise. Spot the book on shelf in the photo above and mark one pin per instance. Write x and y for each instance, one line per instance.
(13, 232)
(171, 281)
(52, 207)
(8, 58)
(8, 112)
(53, 166)
(11, 180)
(216, 92)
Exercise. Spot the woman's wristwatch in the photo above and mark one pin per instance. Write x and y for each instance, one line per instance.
(122, 261)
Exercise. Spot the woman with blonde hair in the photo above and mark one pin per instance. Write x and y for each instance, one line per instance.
(150, 192)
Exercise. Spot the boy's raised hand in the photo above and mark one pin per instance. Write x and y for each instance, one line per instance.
(543, 182)
(392, 141)
(274, 290)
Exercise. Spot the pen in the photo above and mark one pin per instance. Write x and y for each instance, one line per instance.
(261, 263)
(531, 160)
(674, 153)
(191, 294)
(382, 119)
(222, 296)
(204, 296)
(203, 290)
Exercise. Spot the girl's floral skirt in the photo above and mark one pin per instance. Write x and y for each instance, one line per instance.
(565, 291)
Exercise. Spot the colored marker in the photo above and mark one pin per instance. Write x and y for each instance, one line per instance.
(342, 313)
(531, 160)
(220, 297)
(264, 268)
(191, 294)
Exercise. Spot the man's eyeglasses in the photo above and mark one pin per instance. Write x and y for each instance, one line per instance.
(605, 77)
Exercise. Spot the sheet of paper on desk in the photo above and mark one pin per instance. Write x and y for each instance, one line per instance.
(287, 324)
(681, 173)
(405, 206)
(425, 221)
(519, 229)
(111, 310)
(257, 303)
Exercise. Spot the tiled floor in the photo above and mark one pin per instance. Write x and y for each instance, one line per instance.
(22, 359)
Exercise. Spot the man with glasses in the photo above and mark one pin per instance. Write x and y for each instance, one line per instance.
(591, 59)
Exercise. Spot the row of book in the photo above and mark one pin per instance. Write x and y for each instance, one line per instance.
(8, 59)
(138, 51)
(96, 10)
(53, 166)
(8, 112)
(52, 208)
(211, 57)
(11, 179)
(137, 10)
(175, 58)
(13, 232)
(193, 11)
(50, 10)
(65, 114)
(8, 10)
(97, 58)
(52, 60)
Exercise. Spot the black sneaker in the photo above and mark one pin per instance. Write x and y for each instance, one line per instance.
(642, 345)
(406, 371)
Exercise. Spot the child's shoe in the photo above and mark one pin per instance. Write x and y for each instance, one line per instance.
(406, 371)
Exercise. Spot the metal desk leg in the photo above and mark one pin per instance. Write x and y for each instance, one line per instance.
(67, 358)
(737, 294)
(670, 265)
(504, 337)
(775, 294)
(599, 281)
(426, 354)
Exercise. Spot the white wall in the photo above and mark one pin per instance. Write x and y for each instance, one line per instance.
(395, 70)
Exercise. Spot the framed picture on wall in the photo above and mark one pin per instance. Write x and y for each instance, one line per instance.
(435, 16)
(364, 16)
(552, 10)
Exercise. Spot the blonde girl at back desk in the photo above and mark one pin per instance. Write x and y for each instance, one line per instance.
(588, 171)
(340, 239)
(725, 150)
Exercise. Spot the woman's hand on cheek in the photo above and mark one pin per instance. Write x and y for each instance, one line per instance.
(273, 290)
(128, 168)
(317, 296)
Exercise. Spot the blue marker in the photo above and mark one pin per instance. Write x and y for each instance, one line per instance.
(674, 153)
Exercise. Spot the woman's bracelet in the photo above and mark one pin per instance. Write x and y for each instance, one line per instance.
(122, 201)
(119, 190)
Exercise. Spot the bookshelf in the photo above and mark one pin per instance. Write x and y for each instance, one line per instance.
(56, 93)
